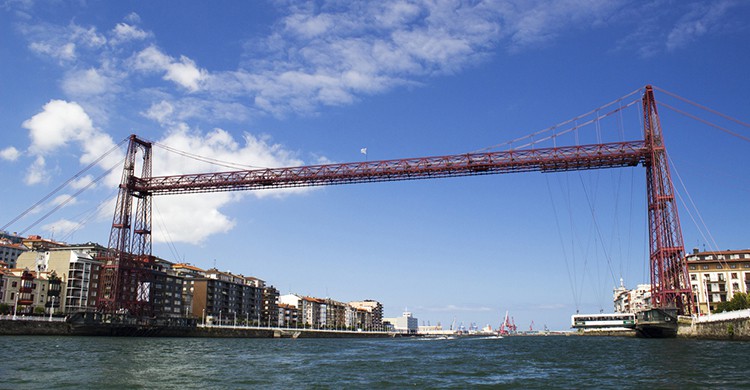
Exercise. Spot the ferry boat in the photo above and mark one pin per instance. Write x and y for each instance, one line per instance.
(603, 321)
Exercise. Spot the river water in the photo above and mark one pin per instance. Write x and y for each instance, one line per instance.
(36, 362)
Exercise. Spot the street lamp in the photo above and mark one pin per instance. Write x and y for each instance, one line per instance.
(52, 308)
(15, 307)
(219, 317)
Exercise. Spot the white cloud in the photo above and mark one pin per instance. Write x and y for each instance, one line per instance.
(700, 21)
(133, 18)
(65, 52)
(86, 83)
(82, 182)
(37, 172)
(61, 227)
(174, 223)
(124, 32)
(63, 200)
(59, 122)
(86, 36)
(183, 72)
(10, 154)
(160, 112)
(205, 217)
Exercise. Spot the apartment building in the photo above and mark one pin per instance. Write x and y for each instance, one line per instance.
(9, 252)
(76, 265)
(30, 291)
(372, 317)
(227, 298)
(715, 276)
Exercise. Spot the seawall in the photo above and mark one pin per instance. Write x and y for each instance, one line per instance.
(40, 328)
(24, 327)
(729, 329)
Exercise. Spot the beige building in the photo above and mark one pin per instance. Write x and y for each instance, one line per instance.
(632, 301)
(369, 313)
(29, 291)
(716, 276)
(76, 266)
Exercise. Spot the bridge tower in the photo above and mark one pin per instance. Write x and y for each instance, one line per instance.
(126, 281)
(670, 287)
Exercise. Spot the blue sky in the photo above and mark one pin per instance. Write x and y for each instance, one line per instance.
(277, 83)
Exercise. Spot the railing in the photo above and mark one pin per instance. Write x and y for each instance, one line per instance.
(262, 327)
(727, 315)
(21, 317)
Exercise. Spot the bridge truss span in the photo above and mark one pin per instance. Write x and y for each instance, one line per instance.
(124, 287)
(609, 155)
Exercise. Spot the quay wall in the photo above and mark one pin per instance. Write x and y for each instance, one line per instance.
(730, 329)
(37, 328)
(25, 327)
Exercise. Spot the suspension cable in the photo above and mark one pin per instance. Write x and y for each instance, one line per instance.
(208, 160)
(61, 186)
(727, 117)
(730, 132)
(567, 122)
(66, 201)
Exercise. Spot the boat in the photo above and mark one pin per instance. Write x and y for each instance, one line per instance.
(656, 323)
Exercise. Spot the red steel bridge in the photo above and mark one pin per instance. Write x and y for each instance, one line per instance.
(125, 280)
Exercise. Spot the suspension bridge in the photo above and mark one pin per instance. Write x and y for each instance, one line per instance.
(126, 277)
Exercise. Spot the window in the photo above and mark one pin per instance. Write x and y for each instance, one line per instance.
(692, 266)
(719, 266)
(733, 266)
(734, 275)
(14, 284)
(693, 277)
(704, 266)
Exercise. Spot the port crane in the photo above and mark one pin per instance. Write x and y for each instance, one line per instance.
(126, 278)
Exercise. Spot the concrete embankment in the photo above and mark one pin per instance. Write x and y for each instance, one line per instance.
(42, 328)
(21, 327)
(727, 329)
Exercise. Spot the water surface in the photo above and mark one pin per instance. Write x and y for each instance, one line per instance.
(513, 362)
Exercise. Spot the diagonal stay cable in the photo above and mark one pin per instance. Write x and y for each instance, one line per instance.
(727, 117)
(61, 186)
(66, 201)
(730, 132)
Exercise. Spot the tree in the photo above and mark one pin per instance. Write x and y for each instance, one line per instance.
(739, 301)
(5, 308)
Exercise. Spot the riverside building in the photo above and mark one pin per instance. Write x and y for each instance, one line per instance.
(29, 292)
(9, 252)
(372, 318)
(77, 266)
(227, 298)
(715, 276)
(404, 324)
